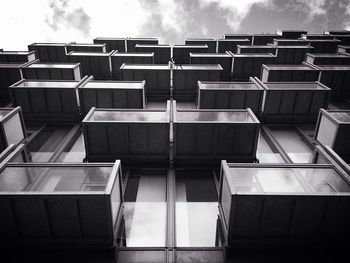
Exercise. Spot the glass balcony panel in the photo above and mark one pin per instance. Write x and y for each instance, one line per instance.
(51, 65)
(196, 224)
(287, 180)
(13, 130)
(54, 179)
(115, 196)
(3, 113)
(292, 143)
(75, 152)
(114, 85)
(341, 116)
(265, 153)
(73, 179)
(145, 224)
(228, 85)
(327, 131)
(145, 211)
(196, 209)
(46, 143)
(325, 180)
(16, 179)
(129, 116)
(48, 84)
(198, 116)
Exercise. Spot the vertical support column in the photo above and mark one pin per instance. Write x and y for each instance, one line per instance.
(170, 255)
(171, 199)
(171, 181)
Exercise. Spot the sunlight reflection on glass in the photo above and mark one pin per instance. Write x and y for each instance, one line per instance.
(145, 224)
(196, 224)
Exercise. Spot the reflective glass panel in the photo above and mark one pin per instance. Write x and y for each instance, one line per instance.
(327, 131)
(144, 210)
(114, 85)
(48, 84)
(3, 113)
(294, 86)
(208, 116)
(75, 152)
(51, 65)
(17, 179)
(267, 154)
(287, 180)
(44, 145)
(229, 85)
(196, 209)
(54, 179)
(341, 116)
(115, 196)
(130, 116)
(293, 144)
(13, 130)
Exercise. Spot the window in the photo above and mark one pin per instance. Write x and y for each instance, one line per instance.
(45, 144)
(145, 209)
(75, 152)
(266, 153)
(292, 143)
(196, 209)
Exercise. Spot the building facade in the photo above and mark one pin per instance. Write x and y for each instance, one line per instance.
(218, 150)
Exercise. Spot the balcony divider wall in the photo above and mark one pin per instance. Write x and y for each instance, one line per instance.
(118, 59)
(50, 52)
(52, 71)
(16, 56)
(181, 53)
(52, 101)
(162, 53)
(333, 129)
(12, 127)
(134, 136)
(10, 73)
(185, 79)
(93, 63)
(111, 94)
(117, 44)
(230, 95)
(157, 79)
(86, 47)
(132, 42)
(209, 136)
(224, 60)
(210, 42)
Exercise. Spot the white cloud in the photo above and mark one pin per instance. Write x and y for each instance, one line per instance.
(347, 12)
(114, 18)
(171, 13)
(81, 20)
(24, 22)
(236, 10)
(164, 18)
(313, 8)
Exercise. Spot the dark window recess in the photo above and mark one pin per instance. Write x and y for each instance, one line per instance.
(131, 189)
(200, 185)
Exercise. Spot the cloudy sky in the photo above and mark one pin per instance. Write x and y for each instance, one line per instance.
(24, 22)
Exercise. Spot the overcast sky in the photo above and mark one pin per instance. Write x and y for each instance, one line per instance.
(24, 21)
